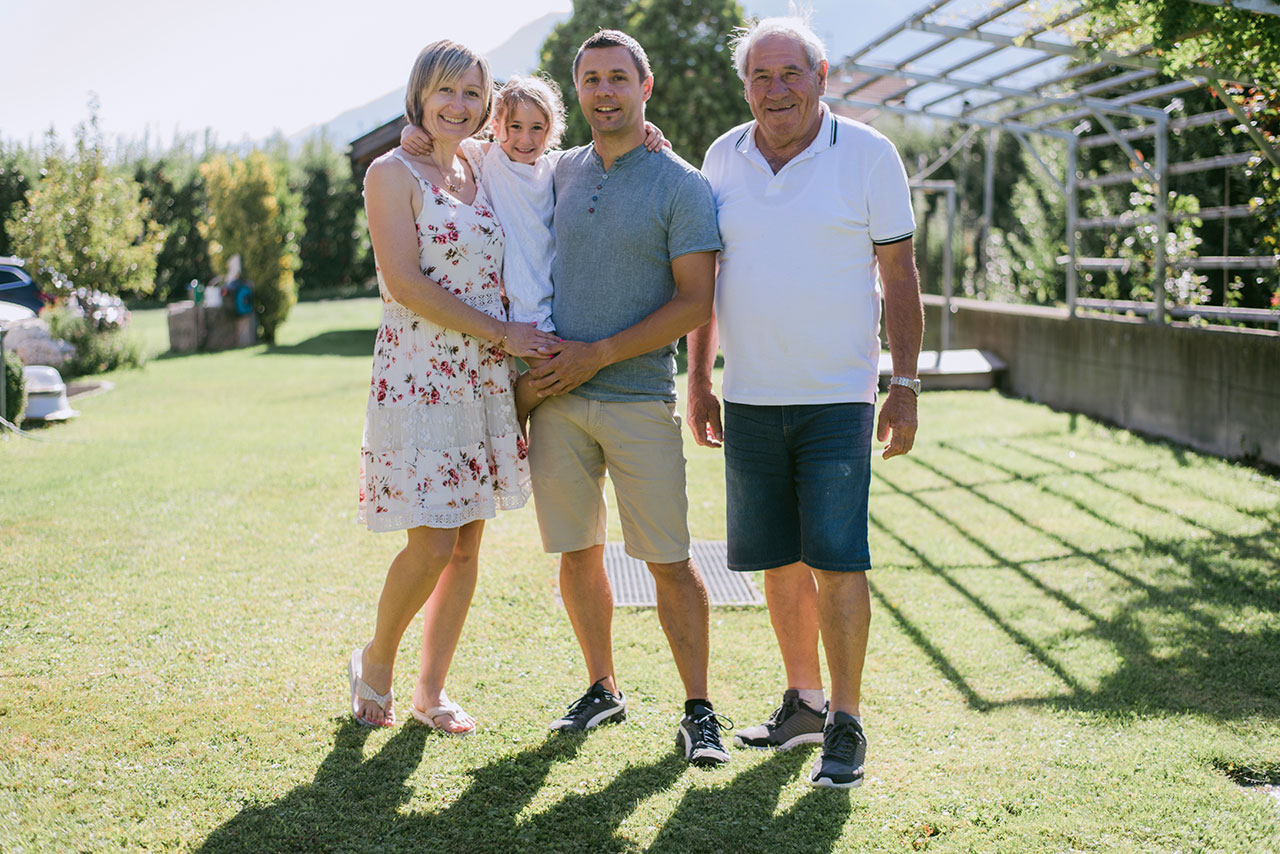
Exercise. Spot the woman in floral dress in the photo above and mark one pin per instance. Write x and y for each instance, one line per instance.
(441, 450)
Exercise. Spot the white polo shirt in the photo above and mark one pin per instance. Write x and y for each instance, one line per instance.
(797, 293)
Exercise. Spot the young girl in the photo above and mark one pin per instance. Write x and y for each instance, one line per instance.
(528, 122)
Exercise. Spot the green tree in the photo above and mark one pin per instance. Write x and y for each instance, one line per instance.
(562, 45)
(179, 204)
(253, 215)
(15, 166)
(331, 251)
(1186, 35)
(696, 93)
(1241, 46)
(86, 224)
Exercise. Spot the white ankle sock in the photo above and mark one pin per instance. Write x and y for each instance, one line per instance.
(814, 698)
(831, 717)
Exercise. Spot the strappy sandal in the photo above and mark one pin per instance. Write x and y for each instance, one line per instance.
(452, 710)
(360, 690)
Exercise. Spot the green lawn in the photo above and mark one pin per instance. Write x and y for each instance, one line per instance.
(1075, 646)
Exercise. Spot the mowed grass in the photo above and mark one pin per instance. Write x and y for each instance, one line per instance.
(1075, 643)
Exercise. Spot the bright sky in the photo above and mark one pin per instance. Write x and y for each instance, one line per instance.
(241, 67)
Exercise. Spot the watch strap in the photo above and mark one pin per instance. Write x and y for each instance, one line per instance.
(906, 382)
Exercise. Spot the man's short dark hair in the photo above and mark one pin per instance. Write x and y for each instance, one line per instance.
(615, 38)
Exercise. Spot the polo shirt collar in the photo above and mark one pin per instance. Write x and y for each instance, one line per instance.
(826, 138)
(631, 156)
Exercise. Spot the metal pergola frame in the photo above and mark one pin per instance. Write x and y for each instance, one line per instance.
(1052, 108)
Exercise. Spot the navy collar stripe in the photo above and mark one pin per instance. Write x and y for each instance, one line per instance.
(835, 132)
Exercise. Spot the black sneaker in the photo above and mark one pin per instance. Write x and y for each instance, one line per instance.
(598, 706)
(791, 724)
(844, 748)
(699, 736)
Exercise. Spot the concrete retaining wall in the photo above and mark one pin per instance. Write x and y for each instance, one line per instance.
(1217, 390)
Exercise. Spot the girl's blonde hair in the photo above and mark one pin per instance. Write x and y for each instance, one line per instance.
(539, 92)
(438, 63)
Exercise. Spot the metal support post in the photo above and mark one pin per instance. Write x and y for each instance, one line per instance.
(988, 205)
(948, 269)
(4, 378)
(1073, 238)
(1162, 218)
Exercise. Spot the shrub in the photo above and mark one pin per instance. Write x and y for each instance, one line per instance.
(253, 216)
(106, 313)
(85, 223)
(97, 350)
(15, 388)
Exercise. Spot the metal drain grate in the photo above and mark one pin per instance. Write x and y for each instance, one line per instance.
(633, 585)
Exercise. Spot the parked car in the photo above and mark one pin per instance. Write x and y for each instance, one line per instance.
(17, 287)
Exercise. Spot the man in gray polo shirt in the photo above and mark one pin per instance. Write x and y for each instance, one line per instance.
(636, 241)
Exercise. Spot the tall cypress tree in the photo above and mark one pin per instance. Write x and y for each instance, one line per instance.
(562, 45)
(696, 93)
(330, 250)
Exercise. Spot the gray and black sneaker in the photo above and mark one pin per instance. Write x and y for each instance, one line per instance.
(598, 706)
(791, 724)
(844, 748)
(699, 736)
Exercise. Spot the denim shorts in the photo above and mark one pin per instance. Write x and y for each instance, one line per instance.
(797, 479)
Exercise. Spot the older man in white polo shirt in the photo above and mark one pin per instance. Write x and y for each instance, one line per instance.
(811, 206)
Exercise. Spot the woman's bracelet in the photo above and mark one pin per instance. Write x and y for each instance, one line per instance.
(503, 340)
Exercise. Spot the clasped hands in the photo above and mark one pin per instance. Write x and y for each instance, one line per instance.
(556, 366)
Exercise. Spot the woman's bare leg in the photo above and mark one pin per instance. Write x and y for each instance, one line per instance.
(443, 618)
(410, 581)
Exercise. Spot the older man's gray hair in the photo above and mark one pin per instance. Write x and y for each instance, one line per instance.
(794, 28)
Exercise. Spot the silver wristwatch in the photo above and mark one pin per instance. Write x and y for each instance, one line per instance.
(905, 382)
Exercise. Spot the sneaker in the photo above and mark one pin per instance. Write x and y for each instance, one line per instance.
(598, 706)
(699, 736)
(791, 723)
(844, 747)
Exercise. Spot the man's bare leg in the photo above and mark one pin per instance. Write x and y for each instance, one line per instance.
(588, 598)
(792, 595)
(844, 616)
(684, 613)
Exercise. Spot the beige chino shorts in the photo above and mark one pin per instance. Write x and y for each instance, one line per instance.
(574, 440)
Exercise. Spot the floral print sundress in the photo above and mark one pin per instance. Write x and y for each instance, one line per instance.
(441, 445)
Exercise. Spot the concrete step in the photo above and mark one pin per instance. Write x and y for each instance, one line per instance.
(951, 369)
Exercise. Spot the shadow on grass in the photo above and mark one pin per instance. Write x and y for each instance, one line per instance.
(1183, 628)
(339, 342)
(358, 804)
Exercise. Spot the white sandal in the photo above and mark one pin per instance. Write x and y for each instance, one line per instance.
(452, 709)
(360, 690)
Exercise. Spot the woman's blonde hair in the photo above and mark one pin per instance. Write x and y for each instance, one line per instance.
(439, 63)
(539, 92)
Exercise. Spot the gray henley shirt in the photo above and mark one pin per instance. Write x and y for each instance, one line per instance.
(616, 235)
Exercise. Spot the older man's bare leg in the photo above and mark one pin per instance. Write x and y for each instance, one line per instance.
(792, 595)
(844, 617)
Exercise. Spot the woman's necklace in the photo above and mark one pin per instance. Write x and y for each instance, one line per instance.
(452, 185)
